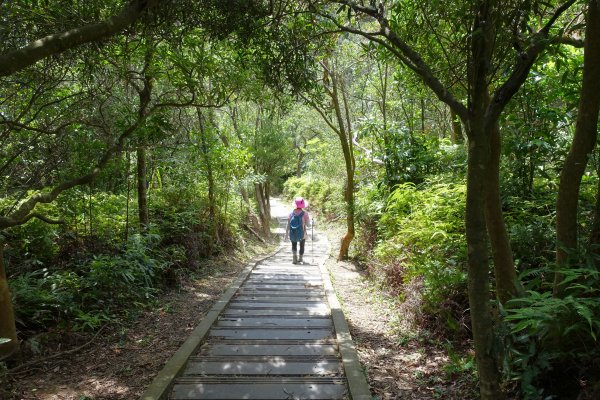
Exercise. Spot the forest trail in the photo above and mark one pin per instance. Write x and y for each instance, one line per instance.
(277, 333)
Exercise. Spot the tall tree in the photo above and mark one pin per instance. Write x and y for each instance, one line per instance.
(340, 121)
(8, 329)
(493, 29)
(142, 191)
(584, 140)
(26, 209)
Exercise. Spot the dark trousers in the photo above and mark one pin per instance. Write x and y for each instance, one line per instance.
(295, 246)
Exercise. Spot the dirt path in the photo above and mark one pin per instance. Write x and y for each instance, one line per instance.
(397, 367)
(123, 360)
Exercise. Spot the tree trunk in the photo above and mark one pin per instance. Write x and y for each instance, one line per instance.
(205, 151)
(8, 329)
(345, 135)
(267, 196)
(504, 266)
(594, 241)
(583, 143)
(128, 197)
(299, 163)
(263, 211)
(91, 209)
(422, 115)
(254, 220)
(457, 135)
(478, 266)
(349, 197)
(142, 189)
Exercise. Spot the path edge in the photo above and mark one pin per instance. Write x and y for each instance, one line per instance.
(357, 381)
(159, 388)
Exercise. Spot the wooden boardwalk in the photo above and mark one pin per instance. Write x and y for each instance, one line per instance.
(274, 337)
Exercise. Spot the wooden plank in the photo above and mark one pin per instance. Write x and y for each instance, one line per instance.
(271, 349)
(305, 305)
(275, 292)
(297, 287)
(272, 334)
(261, 312)
(262, 391)
(281, 298)
(271, 366)
(273, 322)
(257, 281)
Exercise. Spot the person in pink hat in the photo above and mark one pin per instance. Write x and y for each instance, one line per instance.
(296, 228)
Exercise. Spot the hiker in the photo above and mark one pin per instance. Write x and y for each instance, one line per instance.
(296, 228)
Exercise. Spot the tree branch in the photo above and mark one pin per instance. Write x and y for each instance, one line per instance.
(45, 219)
(25, 211)
(406, 54)
(18, 59)
(322, 113)
(508, 89)
(567, 40)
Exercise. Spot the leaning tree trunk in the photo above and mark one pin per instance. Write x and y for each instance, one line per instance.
(8, 329)
(583, 143)
(478, 266)
(142, 189)
(594, 241)
(345, 135)
(349, 197)
(263, 208)
(504, 265)
(457, 135)
(206, 155)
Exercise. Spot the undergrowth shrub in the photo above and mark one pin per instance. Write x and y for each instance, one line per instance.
(552, 342)
(531, 226)
(185, 221)
(324, 197)
(370, 206)
(34, 243)
(92, 293)
(421, 239)
(37, 244)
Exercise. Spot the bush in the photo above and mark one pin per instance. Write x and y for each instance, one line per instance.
(184, 221)
(91, 294)
(34, 243)
(531, 227)
(421, 239)
(370, 206)
(555, 336)
(325, 198)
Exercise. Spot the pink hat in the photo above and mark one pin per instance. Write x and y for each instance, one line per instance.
(300, 202)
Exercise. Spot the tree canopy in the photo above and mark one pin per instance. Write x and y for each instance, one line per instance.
(456, 140)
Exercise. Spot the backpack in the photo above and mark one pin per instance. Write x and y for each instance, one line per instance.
(296, 227)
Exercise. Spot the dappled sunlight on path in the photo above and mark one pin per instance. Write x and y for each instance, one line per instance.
(275, 334)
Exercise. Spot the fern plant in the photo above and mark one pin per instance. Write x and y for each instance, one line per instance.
(550, 332)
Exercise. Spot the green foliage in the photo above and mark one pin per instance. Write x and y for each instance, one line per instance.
(37, 244)
(551, 334)
(536, 132)
(460, 364)
(370, 206)
(184, 222)
(94, 292)
(412, 157)
(421, 239)
(531, 226)
(324, 197)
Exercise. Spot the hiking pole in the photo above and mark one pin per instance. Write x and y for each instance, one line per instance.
(312, 240)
